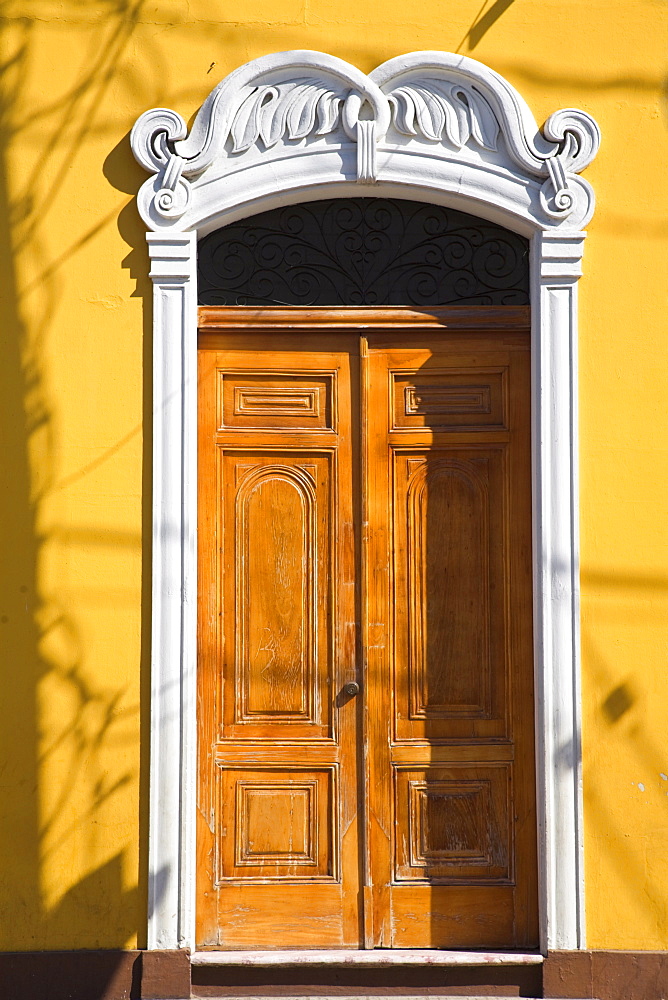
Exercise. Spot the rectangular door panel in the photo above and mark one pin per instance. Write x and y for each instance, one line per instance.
(279, 917)
(273, 401)
(277, 826)
(471, 917)
(277, 573)
(278, 851)
(454, 398)
(450, 603)
(452, 825)
(449, 715)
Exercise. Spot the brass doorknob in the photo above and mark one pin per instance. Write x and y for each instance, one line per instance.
(351, 688)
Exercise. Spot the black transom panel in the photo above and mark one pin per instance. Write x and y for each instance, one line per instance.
(363, 252)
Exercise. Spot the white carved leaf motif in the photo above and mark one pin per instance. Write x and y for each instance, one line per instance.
(434, 110)
(296, 109)
(446, 100)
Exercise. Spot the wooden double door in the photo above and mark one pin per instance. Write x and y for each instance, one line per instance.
(365, 667)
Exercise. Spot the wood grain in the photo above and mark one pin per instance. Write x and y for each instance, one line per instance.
(365, 514)
(449, 694)
(278, 852)
(266, 318)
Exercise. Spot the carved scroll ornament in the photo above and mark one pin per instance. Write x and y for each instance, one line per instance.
(448, 106)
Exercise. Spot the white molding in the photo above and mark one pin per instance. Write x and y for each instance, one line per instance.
(429, 126)
(174, 591)
(459, 124)
(555, 270)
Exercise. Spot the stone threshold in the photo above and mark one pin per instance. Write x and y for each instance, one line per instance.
(377, 957)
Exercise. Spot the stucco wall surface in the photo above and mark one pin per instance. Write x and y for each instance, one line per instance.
(76, 417)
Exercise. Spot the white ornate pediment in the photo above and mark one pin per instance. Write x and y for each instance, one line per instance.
(305, 119)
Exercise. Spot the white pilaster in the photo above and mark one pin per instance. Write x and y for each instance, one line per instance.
(556, 267)
(174, 591)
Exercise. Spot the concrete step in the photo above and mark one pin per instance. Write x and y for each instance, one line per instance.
(325, 975)
(379, 958)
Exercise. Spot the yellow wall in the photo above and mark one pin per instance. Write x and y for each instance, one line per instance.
(73, 387)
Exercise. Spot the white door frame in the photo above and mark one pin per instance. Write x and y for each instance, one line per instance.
(431, 127)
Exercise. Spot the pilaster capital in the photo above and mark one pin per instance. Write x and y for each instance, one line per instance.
(559, 256)
(173, 257)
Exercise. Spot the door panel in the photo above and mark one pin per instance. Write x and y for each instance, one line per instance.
(284, 821)
(452, 856)
(450, 657)
(278, 848)
(277, 552)
(453, 823)
(365, 514)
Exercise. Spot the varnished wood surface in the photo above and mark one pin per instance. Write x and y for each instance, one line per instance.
(278, 839)
(226, 318)
(365, 513)
(449, 704)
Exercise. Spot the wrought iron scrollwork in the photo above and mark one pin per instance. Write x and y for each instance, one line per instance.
(363, 251)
